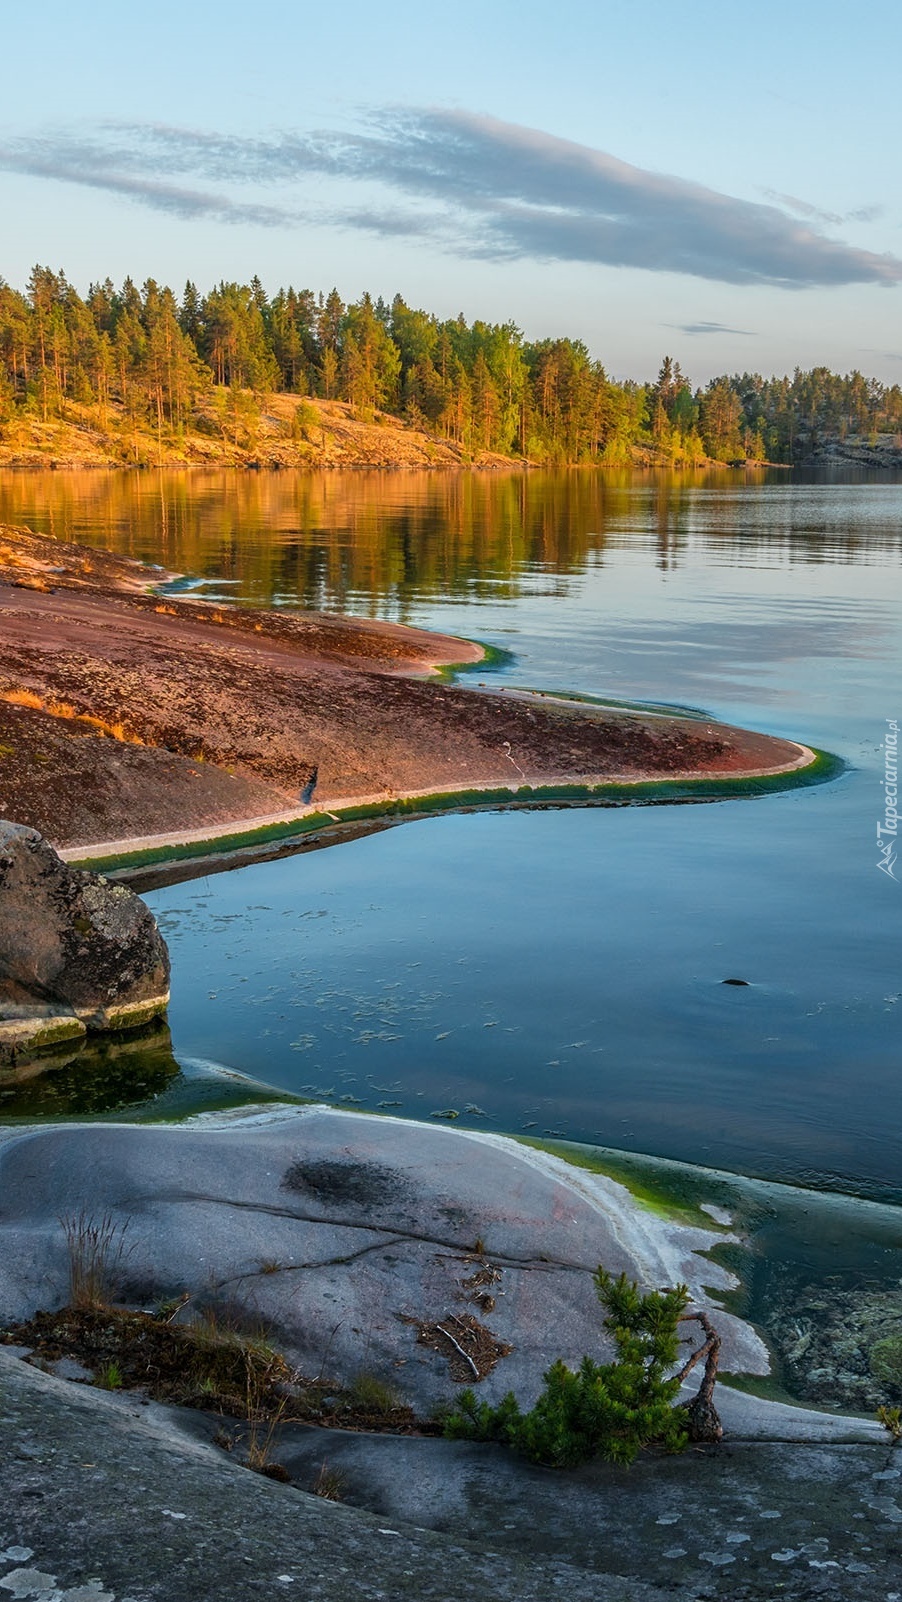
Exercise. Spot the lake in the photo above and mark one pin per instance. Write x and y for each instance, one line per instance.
(560, 973)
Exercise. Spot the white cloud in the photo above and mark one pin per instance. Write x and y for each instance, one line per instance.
(482, 188)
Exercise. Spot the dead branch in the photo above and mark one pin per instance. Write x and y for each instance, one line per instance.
(458, 1348)
(703, 1418)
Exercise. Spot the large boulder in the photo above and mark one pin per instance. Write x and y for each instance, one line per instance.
(77, 953)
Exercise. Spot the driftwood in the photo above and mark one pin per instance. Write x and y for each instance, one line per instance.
(485, 1349)
(458, 1348)
(702, 1416)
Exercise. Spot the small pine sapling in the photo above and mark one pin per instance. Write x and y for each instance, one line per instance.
(607, 1410)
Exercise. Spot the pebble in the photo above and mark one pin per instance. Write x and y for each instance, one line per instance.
(28, 1582)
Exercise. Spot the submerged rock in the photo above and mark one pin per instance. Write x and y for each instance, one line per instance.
(77, 953)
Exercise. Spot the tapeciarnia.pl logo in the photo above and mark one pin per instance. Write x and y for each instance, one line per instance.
(887, 831)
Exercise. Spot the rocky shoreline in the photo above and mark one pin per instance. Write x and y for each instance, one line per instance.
(125, 713)
(359, 1242)
(110, 1499)
(344, 1235)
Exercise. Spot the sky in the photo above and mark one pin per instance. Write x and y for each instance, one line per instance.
(715, 182)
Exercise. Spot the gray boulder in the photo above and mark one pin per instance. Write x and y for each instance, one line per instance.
(77, 953)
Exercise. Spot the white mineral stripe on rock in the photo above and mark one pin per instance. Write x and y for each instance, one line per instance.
(662, 1250)
(327, 808)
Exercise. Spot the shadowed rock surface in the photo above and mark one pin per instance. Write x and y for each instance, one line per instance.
(327, 1228)
(115, 1501)
(345, 1235)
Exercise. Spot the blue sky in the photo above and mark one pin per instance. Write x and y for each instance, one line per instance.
(714, 181)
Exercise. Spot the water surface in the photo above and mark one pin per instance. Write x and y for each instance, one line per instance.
(562, 971)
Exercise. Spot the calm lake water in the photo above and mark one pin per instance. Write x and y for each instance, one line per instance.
(562, 971)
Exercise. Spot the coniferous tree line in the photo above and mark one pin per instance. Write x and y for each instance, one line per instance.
(205, 361)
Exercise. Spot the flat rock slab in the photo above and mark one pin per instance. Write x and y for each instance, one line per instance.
(288, 703)
(105, 1502)
(751, 1519)
(342, 1233)
(116, 1502)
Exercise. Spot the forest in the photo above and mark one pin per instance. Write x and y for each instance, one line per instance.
(206, 362)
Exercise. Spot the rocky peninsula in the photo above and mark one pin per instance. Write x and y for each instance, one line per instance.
(127, 714)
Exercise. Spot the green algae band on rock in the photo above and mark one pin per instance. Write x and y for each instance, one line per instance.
(77, 953)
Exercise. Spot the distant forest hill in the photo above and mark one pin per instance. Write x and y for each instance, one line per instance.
(146, 363)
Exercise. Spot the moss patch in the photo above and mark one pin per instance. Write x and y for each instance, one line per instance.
(668, 1190)
(493, 658)
(765, 1386)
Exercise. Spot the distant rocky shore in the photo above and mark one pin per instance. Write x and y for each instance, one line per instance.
(883, 451)
(334, 435)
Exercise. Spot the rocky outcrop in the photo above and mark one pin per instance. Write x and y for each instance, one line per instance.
(77, 953)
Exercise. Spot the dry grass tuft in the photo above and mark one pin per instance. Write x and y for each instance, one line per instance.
(68, 713)
(329, 1484)
(96, 1248)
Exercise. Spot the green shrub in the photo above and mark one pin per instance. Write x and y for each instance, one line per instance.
(885, 1358)
(304, 419)
(607, 1410)
(371, 1394)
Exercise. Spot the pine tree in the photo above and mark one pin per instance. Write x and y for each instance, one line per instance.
(721, 420)
(608, 1410)
(190, 313)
